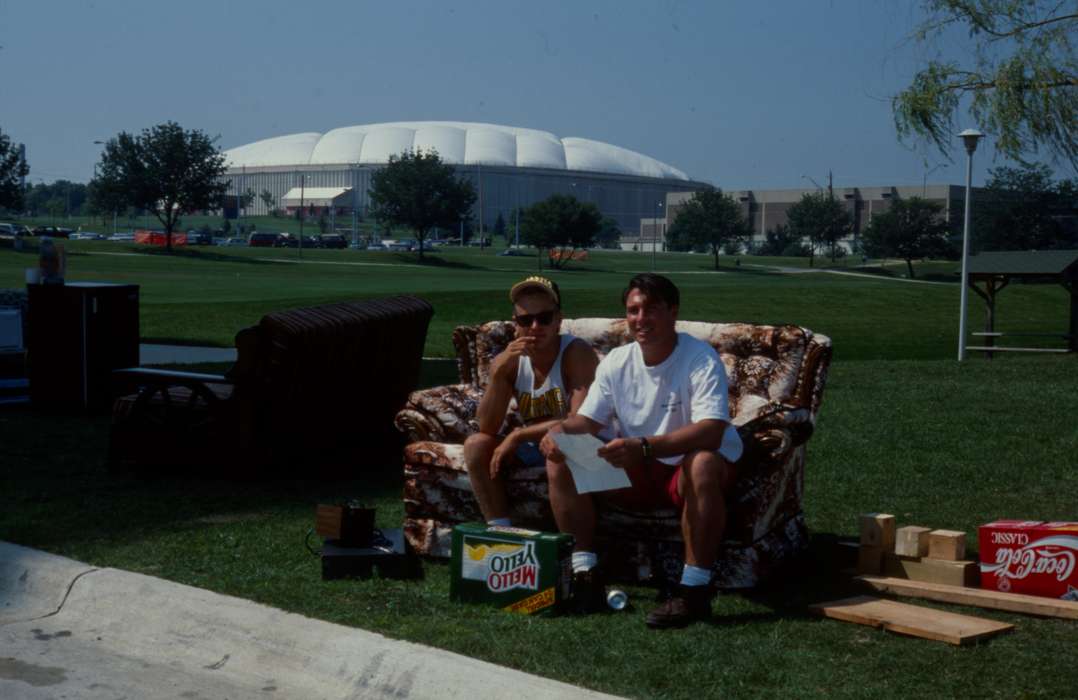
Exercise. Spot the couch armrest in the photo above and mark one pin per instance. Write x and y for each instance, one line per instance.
(441, 414)
(773, 434)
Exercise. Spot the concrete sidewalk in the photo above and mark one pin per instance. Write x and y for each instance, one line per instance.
(68, 630)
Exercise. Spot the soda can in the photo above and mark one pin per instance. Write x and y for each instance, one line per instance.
(617, 599)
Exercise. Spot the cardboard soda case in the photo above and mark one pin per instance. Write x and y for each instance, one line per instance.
(520, 570)
(1031, 557)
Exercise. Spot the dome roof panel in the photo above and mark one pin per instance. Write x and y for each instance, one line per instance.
(344, 145)
(447, 140)
(538, 150)
(294, 149)
(391, 140)
(490, 147)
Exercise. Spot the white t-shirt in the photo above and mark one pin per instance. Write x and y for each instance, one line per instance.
(687, 387)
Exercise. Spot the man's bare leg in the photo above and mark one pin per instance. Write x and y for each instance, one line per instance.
(478, 450)
(574, 513)
(705, 479)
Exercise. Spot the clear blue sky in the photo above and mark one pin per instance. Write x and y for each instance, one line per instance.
(739, 94)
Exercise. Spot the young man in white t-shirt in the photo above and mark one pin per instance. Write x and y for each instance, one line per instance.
(666, 394)
(547, 373)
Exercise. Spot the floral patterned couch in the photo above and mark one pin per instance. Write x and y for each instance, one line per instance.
(776, 380)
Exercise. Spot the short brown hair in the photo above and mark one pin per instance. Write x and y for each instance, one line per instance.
(655, 286)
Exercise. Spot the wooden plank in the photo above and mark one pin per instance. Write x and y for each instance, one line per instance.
(977, 597)
(911, 541)
(947, 544)
(878, 530)
(953, 573)
(996, 348)
(912, 620)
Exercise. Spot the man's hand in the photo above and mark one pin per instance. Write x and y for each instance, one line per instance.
(623, 452)
(548, 447)
(507, 359)
(502, 452)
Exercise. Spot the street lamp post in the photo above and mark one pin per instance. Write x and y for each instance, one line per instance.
(302, 213)
(655, 232)
(970, 137)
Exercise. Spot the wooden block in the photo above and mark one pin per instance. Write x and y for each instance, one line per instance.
(869, 559)
(953, 573)
(912, 541)
(947, 544)
(878, 530)
(911, 619)
(979, 597)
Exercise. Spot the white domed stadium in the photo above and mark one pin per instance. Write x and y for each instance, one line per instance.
(510, 167)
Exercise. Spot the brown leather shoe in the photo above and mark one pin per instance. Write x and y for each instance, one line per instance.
(688, 604)
(589, 592)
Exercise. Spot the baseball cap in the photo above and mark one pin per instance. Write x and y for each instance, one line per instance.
(538, 284)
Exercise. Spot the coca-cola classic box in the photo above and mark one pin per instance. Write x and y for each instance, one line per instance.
(1030, 556)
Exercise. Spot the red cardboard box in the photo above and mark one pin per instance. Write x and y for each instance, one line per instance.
(1031, 557)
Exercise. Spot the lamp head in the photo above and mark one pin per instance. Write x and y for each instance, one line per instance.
(970, 137)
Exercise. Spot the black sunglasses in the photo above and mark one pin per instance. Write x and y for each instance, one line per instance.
(545, 318)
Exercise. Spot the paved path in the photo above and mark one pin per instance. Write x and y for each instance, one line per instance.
(69, 630)
(150, 354)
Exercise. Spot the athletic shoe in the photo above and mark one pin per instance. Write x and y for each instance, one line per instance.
(688, 604)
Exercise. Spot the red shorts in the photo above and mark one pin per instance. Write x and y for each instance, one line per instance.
(654, 486)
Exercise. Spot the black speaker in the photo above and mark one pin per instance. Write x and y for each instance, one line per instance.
(78, 334)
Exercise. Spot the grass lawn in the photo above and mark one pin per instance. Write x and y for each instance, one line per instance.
(903, 429)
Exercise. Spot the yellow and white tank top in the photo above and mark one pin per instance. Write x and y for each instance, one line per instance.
(551, 400)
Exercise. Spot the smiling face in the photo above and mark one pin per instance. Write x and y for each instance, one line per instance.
(651, 320)
(529, 313)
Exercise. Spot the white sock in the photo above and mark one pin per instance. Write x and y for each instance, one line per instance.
(582, 561)
(504, 522)
(695, 576)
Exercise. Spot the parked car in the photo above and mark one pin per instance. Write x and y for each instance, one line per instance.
(289, 241)
(52, 231)
(332, 240)
(13, 231)
(231, 242)
(199, 237)
(128, 237)
(263, 240)
(87, 236)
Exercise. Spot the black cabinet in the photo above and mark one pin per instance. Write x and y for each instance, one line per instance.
(78, 334)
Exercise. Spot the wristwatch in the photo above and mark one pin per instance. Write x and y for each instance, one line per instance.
(646, 447)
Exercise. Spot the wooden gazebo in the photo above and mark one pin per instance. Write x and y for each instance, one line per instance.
(989, 273)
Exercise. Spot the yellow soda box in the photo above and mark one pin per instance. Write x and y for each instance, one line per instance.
(520, 570)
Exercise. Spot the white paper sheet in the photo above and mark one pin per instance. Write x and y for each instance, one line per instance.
(590, 471)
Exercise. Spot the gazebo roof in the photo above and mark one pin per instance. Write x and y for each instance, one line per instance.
(1015, 263)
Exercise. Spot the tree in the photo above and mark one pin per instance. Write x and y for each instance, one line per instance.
(777, 240)
(247, 198)
(822, 220)
(560, 222)
(13, 169)
(709, 220)
(269, 200)
(609, 233)
(1021, 84)
(103, 200)
(416, 189)
(500, 229)
(912, 229)
(1023, 209)
(166, 170)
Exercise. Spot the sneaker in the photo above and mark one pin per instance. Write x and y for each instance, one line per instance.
(589, 591)
(688, 604)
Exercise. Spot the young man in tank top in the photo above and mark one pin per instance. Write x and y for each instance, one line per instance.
(547, 373)
(667, 394)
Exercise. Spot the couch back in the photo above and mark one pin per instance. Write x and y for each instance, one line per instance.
(768, 368)
(327, 376)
